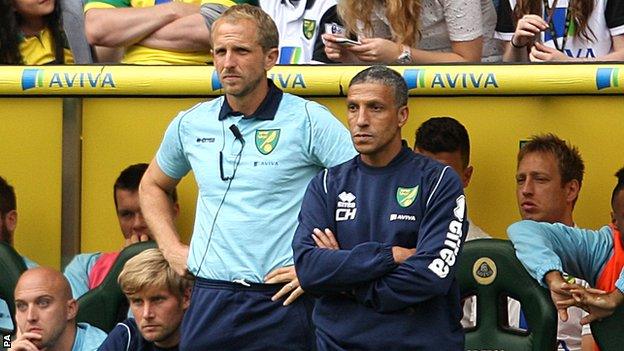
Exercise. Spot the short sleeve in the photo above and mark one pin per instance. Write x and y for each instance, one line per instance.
(504, 25)
(170, 156)
(463, 19)
(330, 142)
(614, 15)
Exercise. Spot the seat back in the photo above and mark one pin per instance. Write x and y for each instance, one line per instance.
(106, 305)
(609, 332)
(489, 270)
(12, 266)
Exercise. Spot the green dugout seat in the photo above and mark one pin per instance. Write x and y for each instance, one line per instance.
(11, 265)
(106, 305)
(609, 332)
(489, 270)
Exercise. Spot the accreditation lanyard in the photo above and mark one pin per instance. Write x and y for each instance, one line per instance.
(550, 12)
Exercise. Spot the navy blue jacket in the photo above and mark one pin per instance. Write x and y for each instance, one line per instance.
(366, 301)
(126, 336)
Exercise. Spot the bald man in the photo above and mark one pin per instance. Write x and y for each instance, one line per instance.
(45, 313)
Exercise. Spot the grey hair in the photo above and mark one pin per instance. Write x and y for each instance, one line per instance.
(386, 76)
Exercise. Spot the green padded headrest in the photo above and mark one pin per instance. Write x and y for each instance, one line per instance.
(106, 305)
(11, 265)
(489, 269)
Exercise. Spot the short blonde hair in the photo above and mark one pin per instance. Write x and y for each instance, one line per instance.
(268, 36)
(150, 269)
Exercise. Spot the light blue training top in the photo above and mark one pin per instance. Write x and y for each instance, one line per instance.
(5, 317)
(544, 247)
(244, 226)
(88, 337)
(78, 270)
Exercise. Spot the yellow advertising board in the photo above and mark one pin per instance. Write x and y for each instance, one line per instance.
(314, 80)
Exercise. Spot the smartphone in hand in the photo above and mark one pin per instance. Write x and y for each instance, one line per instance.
(346, 41)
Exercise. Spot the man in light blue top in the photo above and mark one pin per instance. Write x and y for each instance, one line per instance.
(87, 271)
(8, 223)
(46, 315)
(253, 153)
(547, 250)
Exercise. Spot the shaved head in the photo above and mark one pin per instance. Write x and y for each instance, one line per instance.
(44, 306)
(45, 278)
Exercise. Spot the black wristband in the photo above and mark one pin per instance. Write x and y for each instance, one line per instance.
(514, 45)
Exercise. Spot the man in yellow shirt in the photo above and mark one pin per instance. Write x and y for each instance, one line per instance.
(152, 32)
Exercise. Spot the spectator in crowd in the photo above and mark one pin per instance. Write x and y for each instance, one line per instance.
(548, 250)
(72, 12)
(446, 140)
(378, 236)
(549, 178)
(301, 24)
(152, 32)
(8, 224)
(582, 30)
(158, 298)
(46, 315)
(87, 271)
(31, 33)
(252, 153)
(446, 31)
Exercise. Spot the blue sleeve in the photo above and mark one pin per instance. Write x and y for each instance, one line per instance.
(430, 272)
(118, 339)
(330, 142)
(77, 273)
(330, 271)
(544, 247)
(171, 157)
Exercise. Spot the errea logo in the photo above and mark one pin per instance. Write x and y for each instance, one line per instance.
(346, 209)
(441, 265)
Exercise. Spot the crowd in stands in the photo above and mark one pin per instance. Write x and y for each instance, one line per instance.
(315, 31)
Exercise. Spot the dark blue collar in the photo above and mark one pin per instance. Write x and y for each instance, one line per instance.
(266, 110)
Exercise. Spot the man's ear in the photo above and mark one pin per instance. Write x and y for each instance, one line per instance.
(270, 59)
(186, 298)
(572, 190)
(72, 309)
(11, 220)
(467, 175)
(403, 115)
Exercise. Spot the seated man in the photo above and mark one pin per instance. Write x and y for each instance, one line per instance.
(446, 140)
(379, 235)
(547, 250)
(158, 298)
(549, 177)
(8, 223)
(87, 271)
(152, 32)
(45, 313)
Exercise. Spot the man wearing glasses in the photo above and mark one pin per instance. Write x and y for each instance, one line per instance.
(252, 151)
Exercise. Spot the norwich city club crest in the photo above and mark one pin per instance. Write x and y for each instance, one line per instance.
(406, 196)
(308, 28)
(266, 140)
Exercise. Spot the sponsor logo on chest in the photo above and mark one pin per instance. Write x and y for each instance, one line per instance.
(405, 198)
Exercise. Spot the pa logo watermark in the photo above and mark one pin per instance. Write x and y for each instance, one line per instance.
(6, 341)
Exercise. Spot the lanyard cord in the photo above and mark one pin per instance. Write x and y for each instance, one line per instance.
(550, 12)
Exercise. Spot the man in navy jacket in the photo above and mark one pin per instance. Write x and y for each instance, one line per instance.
(379, 235)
